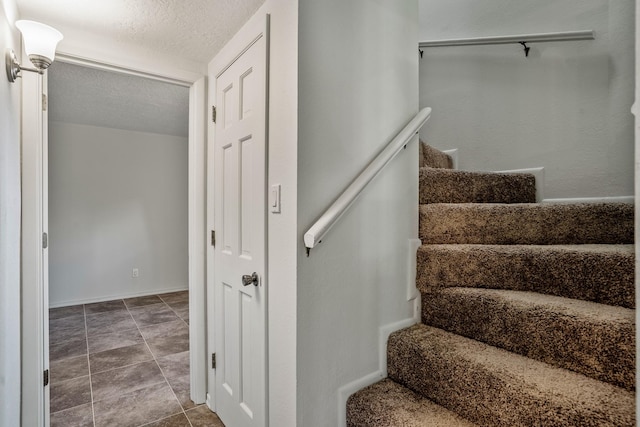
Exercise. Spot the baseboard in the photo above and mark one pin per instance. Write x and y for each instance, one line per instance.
(348, 389)
(118, 296)
(209, 403)
(538, 173)
(617, 199)
(453, 153)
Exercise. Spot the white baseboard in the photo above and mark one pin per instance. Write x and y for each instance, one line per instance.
(617, 199)
(118, 296)
(383, 336)
(209, 403)
(453, 153)
(538, 173)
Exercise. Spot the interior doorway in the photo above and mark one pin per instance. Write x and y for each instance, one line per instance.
(118, 185)
(35, 287)
(118, 244)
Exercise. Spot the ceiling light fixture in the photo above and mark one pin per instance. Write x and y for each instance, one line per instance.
(40, 42)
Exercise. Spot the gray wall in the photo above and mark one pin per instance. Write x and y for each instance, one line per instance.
(566, 107)
(358, 86)
(9, 229)
(117, 200)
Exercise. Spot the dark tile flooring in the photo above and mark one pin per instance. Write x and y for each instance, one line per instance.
(123, 363)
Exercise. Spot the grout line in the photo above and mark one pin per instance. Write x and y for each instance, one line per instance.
(86, 335)
(161, 371)
(114, 332)
(143, 306)
(125, 366)
(60, 342)
(163, 418)
(136, 328)
(175, 312)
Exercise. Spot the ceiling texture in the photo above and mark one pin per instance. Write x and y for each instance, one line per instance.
(89, 96)
(193, 30)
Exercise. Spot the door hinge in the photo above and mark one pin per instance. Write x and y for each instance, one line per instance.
(214, 113)
(213, 238)
(45, 241)
(44, 102)
(46, 377)
(213, 361)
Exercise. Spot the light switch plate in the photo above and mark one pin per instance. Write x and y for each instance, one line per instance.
(274, 198)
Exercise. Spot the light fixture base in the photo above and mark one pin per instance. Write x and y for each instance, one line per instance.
(41, 62)
(12, 64)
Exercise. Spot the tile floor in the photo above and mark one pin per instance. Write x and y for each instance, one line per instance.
(123, 363)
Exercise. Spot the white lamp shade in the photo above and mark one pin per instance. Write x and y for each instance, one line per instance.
(39, 39)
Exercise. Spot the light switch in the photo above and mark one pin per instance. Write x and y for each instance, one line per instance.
(274, 198)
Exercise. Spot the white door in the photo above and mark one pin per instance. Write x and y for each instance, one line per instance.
(240, 217)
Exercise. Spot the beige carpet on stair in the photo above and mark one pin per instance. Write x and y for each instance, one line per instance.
(528, 312)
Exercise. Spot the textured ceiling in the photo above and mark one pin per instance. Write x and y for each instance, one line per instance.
(191, 29)
(94, 97)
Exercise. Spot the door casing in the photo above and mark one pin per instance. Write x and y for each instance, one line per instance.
(34, 306)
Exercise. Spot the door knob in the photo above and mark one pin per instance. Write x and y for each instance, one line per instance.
(250, 279)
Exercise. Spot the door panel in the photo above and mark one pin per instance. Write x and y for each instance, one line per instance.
(247, 196)
(240, 215)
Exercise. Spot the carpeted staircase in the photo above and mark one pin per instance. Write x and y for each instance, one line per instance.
(528, 311)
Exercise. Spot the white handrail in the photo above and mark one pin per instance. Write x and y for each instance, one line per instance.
(519, 38)
(322, 226)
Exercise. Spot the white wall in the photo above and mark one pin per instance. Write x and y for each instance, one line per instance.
(566, 107)
(117, 200)
(358, 86)
(283, 236)
(10, 228)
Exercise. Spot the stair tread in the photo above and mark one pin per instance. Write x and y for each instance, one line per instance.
(594, 339)
(458, 186)
(572, 308)
(600, 273)
(527, 223)
(388, 404)
(491, 386)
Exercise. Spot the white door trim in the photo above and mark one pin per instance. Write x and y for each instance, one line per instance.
(34, 305)
(258, 26)
(197, 239)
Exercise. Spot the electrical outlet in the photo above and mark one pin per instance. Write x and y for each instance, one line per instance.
(135, 272)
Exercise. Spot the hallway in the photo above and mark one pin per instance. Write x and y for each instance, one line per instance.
(123, 363)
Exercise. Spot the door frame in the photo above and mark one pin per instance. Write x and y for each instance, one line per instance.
(257, 26)
(34, 305)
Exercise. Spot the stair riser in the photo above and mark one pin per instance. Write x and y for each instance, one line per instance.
(447, 186)
(605, 279)
(434, 158)
(388, 404)
(603, 350)
(530, 224)
(488, 395)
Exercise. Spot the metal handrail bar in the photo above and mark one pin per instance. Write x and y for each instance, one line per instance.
(328, 219)
(518, 38)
